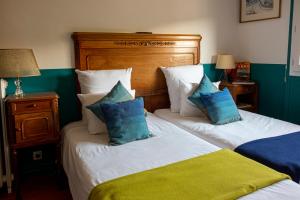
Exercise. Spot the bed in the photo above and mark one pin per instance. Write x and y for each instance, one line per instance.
(252, 127)
(88, 160)
(269, 141)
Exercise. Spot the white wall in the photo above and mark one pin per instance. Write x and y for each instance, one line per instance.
(46, 26)
(265, 41)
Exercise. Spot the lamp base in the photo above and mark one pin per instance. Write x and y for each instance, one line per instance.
(3, 85)
(19, 92)
(225, 77)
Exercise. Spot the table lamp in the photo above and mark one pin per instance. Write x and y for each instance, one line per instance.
(225, 62)
(16, 63)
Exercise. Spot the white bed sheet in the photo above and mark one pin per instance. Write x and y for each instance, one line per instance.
(88, 160)
(252, 127)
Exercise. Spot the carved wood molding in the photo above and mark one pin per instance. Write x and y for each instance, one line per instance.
(144, 43)
(145, 53)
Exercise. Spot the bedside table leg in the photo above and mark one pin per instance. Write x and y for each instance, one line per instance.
(17, 175)
(59, 172)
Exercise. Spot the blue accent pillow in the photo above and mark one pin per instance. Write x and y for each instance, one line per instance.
(117, 94)
(125, 121)
(205, 86)
(220, 107)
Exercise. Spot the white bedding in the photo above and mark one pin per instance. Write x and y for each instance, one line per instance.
(252, 127)
(88, 160)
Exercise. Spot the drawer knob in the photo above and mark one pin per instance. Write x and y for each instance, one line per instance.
(18, 129)
(33, 105)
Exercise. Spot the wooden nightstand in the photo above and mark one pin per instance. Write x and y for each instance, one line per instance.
(32, 120)
(244, 95)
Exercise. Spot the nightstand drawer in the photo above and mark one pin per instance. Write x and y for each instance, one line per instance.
(32, 106)
(34, 127)
(245, 90)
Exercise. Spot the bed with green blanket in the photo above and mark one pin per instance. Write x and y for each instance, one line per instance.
(220, 175)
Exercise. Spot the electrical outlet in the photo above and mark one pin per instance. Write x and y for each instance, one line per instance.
(37, 155)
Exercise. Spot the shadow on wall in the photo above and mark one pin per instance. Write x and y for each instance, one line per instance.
(61, 81)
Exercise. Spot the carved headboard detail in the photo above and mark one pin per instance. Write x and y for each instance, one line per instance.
(145, 53)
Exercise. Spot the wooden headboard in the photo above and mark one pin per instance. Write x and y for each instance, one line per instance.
(145, 53)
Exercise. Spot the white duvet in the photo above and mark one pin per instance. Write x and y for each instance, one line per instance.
(252, 127)
(88, 160)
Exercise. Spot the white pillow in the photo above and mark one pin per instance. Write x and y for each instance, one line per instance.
(94, 124)
(187, 108)
(99, 81)
(217, 84)
(187, 73)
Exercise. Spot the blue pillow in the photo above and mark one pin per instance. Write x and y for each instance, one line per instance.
(220, 107)
(205, 86)
(125, 121)
(117, 94)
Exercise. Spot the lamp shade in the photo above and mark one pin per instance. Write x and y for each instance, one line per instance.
(225, 62)
(18, 63)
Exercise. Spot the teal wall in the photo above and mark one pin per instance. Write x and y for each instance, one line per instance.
(211, 71)
(63, 81)
(271, 83)
(270, 78)
(292, 93)
(293, 102)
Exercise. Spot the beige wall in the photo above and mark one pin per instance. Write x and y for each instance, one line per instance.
(46, 26)
(265, 41)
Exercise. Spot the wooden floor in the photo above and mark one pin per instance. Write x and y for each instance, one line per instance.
(39, 188)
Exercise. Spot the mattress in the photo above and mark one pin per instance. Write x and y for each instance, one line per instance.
(88, 160)
(252, 127)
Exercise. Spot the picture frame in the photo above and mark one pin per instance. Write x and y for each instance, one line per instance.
(256, 10)
(241, 73)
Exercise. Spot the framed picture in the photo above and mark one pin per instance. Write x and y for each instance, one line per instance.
(255, 10)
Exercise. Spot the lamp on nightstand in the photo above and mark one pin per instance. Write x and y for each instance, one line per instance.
(225, 62)
(16, 63)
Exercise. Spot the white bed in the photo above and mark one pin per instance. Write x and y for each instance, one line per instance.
(252, 127)
(88, 160)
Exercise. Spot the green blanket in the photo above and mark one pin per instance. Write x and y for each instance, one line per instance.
(220, 175)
